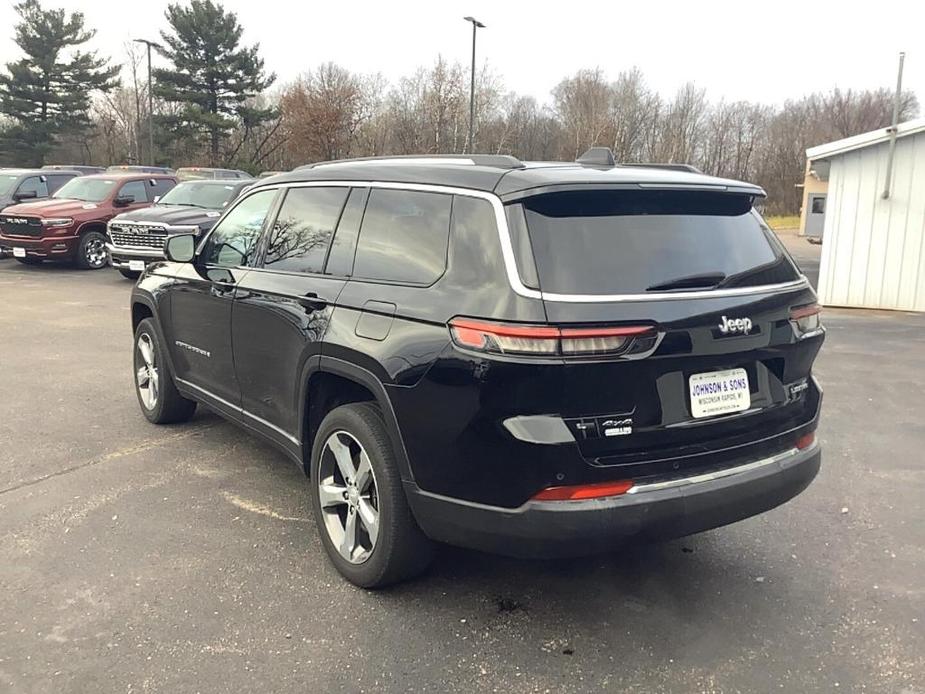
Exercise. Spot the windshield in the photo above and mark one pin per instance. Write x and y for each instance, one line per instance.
(86, 189)
(205, 195)
(7, 183)
(631, 242)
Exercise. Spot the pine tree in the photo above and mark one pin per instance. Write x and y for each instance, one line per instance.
(213, 79)
(46, 94)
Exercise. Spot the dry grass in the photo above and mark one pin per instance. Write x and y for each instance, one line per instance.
(779, 222)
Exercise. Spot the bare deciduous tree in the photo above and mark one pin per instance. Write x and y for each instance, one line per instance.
(331, 112)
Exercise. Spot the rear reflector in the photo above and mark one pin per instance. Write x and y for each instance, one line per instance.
(544, 340)
(806, 440)
(579, 492)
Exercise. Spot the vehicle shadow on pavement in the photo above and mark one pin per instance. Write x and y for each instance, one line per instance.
(641, 587)
(717, 575)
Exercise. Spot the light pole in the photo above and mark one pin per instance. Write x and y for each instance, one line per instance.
(150, 100)
(476, 25)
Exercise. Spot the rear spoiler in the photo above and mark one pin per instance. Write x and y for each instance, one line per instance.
(753, 191)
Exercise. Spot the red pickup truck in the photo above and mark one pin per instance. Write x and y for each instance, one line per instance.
(71, 224)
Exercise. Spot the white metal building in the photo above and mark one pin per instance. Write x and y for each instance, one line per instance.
(873, 251)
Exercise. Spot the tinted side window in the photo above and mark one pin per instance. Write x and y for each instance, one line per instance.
(157, 187)
(404, 236)
(340, 258)
(55, 181)
(233, 241)
(300, 236)
(34, 183)
(135, 189)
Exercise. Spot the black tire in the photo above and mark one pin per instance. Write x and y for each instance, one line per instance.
(168, 406)
(29, 261)
(91, 251)
(130, 274)
(401, 551)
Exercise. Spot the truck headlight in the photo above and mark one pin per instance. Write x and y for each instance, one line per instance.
(57, 222)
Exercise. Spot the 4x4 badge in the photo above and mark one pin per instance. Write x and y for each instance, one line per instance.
(735, 325)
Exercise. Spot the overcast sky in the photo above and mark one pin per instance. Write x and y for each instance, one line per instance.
(761, 51)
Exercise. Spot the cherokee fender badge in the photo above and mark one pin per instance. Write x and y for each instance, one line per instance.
(193, 348)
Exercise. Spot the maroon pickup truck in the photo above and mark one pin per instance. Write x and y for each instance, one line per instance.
(71, 224)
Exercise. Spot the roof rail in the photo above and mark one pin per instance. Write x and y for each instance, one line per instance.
(498, 161)
(690, 168)
(597, 156)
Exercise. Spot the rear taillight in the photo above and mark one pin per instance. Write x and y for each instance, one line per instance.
(545, 340)
(806, 440)
(806, 319)
(581, 492)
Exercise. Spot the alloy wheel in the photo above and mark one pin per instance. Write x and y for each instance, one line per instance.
(146, 374)
(96, 252)
(349, 497)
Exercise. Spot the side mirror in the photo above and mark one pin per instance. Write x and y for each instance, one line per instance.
(181, 248)
(124, 200)
(26, 195)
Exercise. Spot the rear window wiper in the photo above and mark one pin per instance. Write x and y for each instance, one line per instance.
(737, 279)
(705, 280)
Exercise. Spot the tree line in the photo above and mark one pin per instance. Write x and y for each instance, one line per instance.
(216, 104)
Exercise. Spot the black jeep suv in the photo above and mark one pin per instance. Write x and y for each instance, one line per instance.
(136, 238)
(531, 359)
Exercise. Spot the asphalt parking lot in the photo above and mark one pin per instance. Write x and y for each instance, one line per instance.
(135, 558)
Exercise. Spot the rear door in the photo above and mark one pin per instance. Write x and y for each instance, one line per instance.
(722, 364)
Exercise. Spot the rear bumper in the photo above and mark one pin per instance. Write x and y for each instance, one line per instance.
(659, 509)
(41, 247)
(121, 257)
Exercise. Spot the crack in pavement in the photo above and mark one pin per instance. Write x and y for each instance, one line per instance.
(139, 448)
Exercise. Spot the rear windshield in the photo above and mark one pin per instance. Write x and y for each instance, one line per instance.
(632, 242)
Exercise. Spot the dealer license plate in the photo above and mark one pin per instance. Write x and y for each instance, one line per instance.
(136, 265)
(719, 392)
(19, 252)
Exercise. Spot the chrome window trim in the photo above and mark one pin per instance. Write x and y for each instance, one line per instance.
(238, 410)
(507, 247)
(667, 296)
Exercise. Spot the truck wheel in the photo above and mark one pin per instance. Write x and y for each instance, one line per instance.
(359, 504)
(158, 396)
(91, 251)
(130, 274)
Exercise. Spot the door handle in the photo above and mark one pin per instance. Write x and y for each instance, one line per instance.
(312, 301)
(221, 288)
